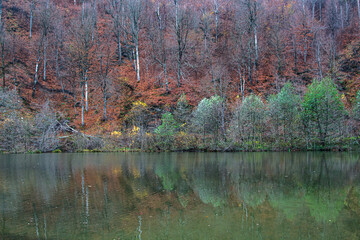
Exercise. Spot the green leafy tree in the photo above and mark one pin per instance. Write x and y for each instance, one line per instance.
(167, 129)
(356, 108)
(248, 121)
(284, 113)
(323, 111)
(208, 116)
(356, 116)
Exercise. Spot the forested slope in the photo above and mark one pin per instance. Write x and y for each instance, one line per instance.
(93, 59)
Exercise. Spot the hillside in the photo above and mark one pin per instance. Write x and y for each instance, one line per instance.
(93, 59)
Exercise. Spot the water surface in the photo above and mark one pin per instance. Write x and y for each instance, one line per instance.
(180, 196)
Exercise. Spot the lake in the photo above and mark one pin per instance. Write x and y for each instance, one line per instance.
(180, 196)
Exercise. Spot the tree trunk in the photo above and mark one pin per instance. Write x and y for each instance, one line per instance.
(86, 92)
(256, 46)
(342, 17)
(295, 54)
(166, 78)
(179, 70)
(94, 20)
(3, 60)
(105, 102)
(31, 16)
(45, 57)
(313, 10)
(58, 72)
(320, 9)
(250, 63)
(318, 58)
(119, 47)
(305, 49)
(216, 11)
(137, 61)
(83, 12)
(242, 83)
(1, 7)
(36, 75)
(82, 106)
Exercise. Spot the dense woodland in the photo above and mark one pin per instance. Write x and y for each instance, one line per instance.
(179, 75)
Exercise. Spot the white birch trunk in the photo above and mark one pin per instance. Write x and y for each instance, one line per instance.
(137, 62)
(36, 75)
(45, 57)
(31, 17)
(86, 93)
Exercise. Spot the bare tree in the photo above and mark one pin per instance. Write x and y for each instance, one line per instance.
(46, 16)
(251, 8)
(181, 28)
(239, 60)
(45, 13)
(2, 44)
(318, 47)
(32, 6)
(205, 22)
(59, 49)
(332, 23)
(83, 38)
(157, 37)
(216, 14)
(134, 13)
(116, 9)
(1, 7)
(37, 62)
(104, 58)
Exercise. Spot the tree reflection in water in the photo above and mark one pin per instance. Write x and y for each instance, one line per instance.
(180, 196)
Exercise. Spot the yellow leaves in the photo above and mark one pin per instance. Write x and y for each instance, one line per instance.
(134, 132)
(343, 96)
(116, 134)
(117, 171)
(182, 134)
(135, 129)
(135, 172)
(139, 104)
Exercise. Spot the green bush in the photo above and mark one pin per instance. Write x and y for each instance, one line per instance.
(166, 130)
(208, 117)
(248, 121)
(356, 107)
(323, 111)
(284, 113)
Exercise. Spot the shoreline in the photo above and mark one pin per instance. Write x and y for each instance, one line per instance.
(124, 150)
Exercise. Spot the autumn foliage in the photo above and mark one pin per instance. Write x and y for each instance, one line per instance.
(94, 58)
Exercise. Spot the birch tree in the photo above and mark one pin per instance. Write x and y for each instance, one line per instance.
(83, 39)
(134, 14)
(32, 7)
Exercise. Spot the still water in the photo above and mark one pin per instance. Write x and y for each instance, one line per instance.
(180, 196)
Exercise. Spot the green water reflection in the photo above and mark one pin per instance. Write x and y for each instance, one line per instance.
(180, 196)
